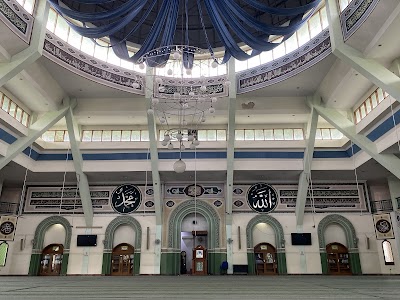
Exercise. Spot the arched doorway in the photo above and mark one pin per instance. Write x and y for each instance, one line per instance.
(279, 241)
(338, 259)
(351, 243)
(38, 244)
(109, 243)
(265, 257)
(170, 258)
(122, 260)
(51, 261)
(194, 233)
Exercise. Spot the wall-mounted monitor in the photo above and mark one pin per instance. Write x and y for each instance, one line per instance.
(86, 240)
(301, 239)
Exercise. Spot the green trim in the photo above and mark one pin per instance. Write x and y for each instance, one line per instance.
(39, 240)
(351, 238)
(355, 263)
(34, 265)
(170, 263)
(106, 268)
(251, 262)
(136, 264)
(279, 240)
(281, 260)
(64, 265)
(214, 262)
(109, 240)
(324, 262)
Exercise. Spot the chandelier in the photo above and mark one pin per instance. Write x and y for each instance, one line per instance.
(182, 105)
(211, 25)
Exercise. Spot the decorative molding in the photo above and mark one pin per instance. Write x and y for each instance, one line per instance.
(215, 86)
(91, 68)
(55, 199)
(188, 207)
(44, 226)
(343, 222)
(327, 197)
(355, 14)
(17, 19)
(274, 223)
(285, 67)
(114, 224)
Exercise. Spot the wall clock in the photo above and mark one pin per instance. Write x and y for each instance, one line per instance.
(262, 197)
(126, 198)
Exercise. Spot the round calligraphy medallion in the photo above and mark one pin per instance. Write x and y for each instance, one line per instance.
(7, 228)
(262, 197)
(126, 198)
(383, 226)
(194, 190)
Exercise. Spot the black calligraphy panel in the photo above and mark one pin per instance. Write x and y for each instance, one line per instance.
(262, 197)
(126, 199)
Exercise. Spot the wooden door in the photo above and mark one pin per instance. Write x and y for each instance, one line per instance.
(338, 259)
(265, 257)
(50, 264)
(122, 260)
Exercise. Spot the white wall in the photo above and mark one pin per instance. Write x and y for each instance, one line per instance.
(124, 234)
(54, 235)
(306, 259)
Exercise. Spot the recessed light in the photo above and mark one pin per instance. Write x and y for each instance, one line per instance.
(298, 88)
(293, 115)
(380, 45)
(88, 117)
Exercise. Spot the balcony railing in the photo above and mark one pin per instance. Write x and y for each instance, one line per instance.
(382, 205)
(7, 208)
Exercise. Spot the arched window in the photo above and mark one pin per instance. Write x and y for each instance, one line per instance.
(3, 253)
(387, 253)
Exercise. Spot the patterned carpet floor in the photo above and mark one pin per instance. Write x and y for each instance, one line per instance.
(196, 287)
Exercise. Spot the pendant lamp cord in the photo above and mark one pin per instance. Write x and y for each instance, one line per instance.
(356, 175)
(63, 185)
(146, 183)
(21, 200)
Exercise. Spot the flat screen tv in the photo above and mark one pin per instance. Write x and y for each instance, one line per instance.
(86, 240)
(301, 239)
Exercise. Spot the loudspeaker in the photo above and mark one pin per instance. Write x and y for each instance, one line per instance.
(22, 244)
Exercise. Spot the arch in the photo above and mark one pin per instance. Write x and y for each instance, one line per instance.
(274, 223)
(279, 238)
(336, 219)
(351, 239)
(188, 207)
(38, 243)
(170, 261)
(109, 238)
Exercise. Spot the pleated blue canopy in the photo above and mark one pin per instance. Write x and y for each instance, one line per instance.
(222, 25)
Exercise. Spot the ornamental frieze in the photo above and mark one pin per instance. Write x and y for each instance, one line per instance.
(16, 18)
(355, 14)
(285, 67)
(89, 67)
(332, 197)
(56, 199)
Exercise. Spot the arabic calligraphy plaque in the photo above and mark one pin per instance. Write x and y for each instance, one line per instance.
(126, 199)
(262, 198)
(194, 190)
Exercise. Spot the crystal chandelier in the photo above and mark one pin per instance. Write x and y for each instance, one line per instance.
(181, 105)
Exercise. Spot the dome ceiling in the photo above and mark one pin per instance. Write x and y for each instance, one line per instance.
(205, 24)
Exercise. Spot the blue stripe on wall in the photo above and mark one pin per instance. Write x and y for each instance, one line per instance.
(379, 131)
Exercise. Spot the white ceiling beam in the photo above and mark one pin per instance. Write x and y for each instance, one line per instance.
(154, 169)
(75, 140)
(21, 60)
(369, 68)
(230, 161)
(305, 176)
(347, 128)
(35, 131)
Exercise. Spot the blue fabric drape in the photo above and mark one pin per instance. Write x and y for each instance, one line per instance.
(231, 22)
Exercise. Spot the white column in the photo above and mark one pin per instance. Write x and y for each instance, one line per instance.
(84, 190)
(230, 161)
